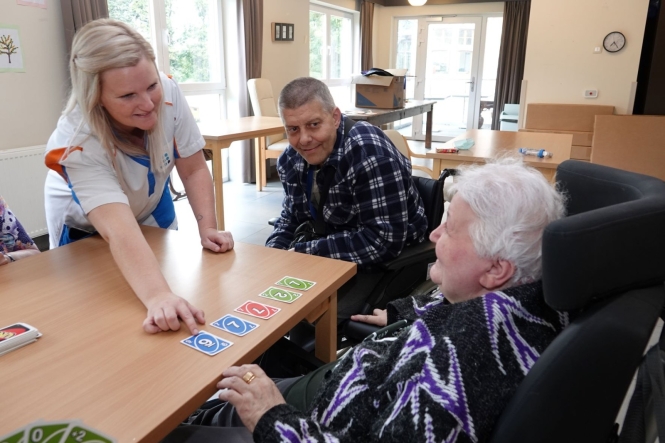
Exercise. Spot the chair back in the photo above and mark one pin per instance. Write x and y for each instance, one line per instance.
(263, 102)
(431, 193)
(604, 264)
(402, 146)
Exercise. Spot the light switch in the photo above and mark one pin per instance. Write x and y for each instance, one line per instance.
(591, 93)
(597, 50)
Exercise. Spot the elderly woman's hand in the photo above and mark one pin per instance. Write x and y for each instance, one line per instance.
(379, 318)
(251, 391)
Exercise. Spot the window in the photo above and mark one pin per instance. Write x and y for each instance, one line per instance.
(465, 61)
(465, 37)
(332, 49)
(186, 36)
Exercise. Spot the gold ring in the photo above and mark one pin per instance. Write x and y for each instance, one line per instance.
(248, 377)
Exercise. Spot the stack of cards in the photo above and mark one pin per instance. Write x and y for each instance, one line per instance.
(17, 335)
(56, 432)
(212, 345)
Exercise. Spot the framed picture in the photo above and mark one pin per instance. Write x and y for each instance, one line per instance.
(11, 49)
(282, 32)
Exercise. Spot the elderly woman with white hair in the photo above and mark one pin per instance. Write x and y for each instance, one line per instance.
(449, 375)
(124, 129)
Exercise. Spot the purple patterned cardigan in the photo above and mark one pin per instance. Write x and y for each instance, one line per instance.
(444, 379)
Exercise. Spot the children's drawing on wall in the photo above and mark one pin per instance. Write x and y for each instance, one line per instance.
(11, 52)
(36, 3)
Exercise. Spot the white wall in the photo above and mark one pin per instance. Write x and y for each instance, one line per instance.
(560, 63)
(384, 21)
(31, 101)
(284, 61)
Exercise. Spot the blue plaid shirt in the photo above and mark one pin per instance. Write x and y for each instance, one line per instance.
(373, 208)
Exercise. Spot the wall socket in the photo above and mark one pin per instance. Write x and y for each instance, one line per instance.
(591, 93)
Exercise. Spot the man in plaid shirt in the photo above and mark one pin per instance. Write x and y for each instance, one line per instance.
(372, 210)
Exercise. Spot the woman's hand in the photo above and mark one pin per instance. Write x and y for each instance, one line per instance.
(379, 318)
(216, 241)
(165, 310)
(252, 399)
(3, 259)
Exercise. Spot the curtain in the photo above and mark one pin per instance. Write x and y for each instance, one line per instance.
(366, 21)
(511, 56)
(250, 42)
(76, 13)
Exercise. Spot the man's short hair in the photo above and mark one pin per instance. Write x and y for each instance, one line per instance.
(303, 90)
(514, 203)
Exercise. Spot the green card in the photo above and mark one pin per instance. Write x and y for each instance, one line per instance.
(295, 283)
(13, 437)
(82, 434)
(280, 294)
(46, 432)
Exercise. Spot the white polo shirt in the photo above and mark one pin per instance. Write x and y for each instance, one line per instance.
(86, 179)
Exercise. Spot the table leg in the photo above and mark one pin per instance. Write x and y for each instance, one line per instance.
(218, 181)
(259, 165)
(436, 167)
(264, 165)
(428, 129)
(326, 333)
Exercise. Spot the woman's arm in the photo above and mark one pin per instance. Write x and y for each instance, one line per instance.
(195, 175)
(115, 222)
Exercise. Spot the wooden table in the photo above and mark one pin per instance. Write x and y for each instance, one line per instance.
(379, 117)
(490, 144)
(220, 134)
(95, 363)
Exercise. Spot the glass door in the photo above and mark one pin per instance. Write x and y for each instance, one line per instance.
(443, 58)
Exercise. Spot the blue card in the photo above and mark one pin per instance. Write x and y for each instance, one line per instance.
(207, 343)
(235, 325)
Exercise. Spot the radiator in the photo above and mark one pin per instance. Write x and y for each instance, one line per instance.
(22, 176)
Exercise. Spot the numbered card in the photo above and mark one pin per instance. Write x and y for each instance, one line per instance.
(14, 436)
(207, 343)
(295, 283)
(280, 294)
(46, 432)
(257, 309)
(235, 325)
(80, 433)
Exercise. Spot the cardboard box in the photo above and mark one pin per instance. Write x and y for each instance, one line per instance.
(378, 91)
(580, 152)
(564, 117)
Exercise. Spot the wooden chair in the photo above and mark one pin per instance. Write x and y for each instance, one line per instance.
(403, 146)
(263, 104)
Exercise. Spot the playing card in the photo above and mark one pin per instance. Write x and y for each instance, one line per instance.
(46, 432)
(17, 335)
(207, 343)
(80, 433)
(256, 309)
(234, 325)
(15, 436)
(280, 295)
(295, 283)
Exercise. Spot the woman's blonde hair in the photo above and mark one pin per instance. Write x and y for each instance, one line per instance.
(99, 46)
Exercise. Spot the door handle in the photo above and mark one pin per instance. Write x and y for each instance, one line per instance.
(473, 84)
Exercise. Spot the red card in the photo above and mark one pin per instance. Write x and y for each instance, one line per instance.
(256, 309)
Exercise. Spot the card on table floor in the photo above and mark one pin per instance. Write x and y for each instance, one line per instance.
(46, 432)
(207, 343)
(235, 325)
(280, 294)
(295, 283)
(17, 335)
(256, 309)
(80, 433)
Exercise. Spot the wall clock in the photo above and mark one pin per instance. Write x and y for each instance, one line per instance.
(614, 41)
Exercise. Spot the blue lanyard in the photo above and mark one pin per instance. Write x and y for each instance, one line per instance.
(310, 181)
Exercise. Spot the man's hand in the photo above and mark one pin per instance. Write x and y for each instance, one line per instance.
(379, 318)
(164, 311)
(252, 399)
(216, 241)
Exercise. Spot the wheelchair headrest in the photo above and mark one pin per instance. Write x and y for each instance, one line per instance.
(431, 192)
(612, 240)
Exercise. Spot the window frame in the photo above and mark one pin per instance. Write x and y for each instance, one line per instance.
(329, 9)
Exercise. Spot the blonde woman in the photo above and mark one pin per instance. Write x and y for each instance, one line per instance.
(123, 130)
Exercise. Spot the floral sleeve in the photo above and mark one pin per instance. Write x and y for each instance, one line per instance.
(12, 235)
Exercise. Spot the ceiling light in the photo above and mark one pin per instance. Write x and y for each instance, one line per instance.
(417, 2)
